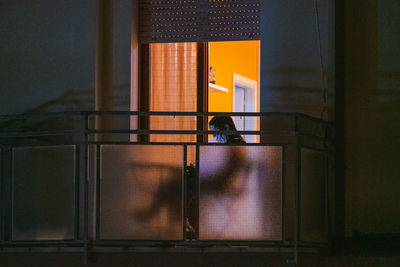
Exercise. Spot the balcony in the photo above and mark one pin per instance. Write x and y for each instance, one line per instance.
(69, 185)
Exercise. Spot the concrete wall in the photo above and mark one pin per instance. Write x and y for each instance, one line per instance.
(291, 78)
(47, 53)
(372, 108)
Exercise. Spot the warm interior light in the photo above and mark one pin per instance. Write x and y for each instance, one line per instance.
(173, 88)
(235, 75)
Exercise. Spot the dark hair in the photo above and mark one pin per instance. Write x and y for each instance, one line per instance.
(219, 122)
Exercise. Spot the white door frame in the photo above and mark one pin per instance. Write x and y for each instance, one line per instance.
(253, 85)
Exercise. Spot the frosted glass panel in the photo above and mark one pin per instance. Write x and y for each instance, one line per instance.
(240, 193)
(141, 192)
(43, 193)
(313, 179)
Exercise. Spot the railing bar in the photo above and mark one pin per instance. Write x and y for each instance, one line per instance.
(174, 131)
(201, 243)
(119, 131)
(156, 113)
(141, 243)
(313, 118)
(38, 133)
(25, 115)
(184, 113)
(151, 143)
(234, 114)
(308, 244)
(191, 132)
(182, 143)
(321, 139)
(314, 149)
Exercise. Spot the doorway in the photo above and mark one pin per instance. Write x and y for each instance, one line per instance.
(245, 100)
(234, 82)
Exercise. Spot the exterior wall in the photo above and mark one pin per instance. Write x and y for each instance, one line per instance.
(372, 109)
(114, 26)
(291, 78)
(47, 55)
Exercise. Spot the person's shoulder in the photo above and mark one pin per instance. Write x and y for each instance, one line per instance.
(237, 140)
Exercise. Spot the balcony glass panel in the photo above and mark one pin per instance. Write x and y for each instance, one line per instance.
(240, 193)
(141, 192)
(313, 181)
(43, 193)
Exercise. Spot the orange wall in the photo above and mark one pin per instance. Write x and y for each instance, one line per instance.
(240, 57)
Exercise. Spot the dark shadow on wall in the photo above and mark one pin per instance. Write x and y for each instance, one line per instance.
(42, 119)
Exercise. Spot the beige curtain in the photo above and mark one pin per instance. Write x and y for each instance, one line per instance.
(173, 88)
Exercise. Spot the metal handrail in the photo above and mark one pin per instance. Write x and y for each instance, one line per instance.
(28, 132)
(160, 113)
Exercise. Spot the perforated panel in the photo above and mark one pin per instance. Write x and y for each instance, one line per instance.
(240, 193)
(141, 192)
(199, 20)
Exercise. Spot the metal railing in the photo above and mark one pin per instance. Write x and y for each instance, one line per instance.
(68, 184)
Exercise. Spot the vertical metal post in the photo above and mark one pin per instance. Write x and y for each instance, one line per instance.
(202, 89)
(97, 196)
(326, 194)
(86, 192)
(341, 60)
(197, 191)
(185, 184)
(297, 189)
(77, 191)
(284, 193)
(326, 188)
(2, 192)
(8, 227)
(144, 91)
(298, 198)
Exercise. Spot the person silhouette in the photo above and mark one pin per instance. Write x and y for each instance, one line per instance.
(223, 124)
(225, 181)
(222, 182)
